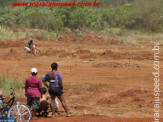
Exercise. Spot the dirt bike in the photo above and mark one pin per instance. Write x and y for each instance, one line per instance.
(32, 49)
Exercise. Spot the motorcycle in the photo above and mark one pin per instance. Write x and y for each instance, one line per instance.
(31, 50)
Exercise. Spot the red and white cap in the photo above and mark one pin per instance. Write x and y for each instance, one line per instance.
(33, 70)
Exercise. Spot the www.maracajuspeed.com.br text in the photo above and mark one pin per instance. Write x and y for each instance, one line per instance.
(55, 4)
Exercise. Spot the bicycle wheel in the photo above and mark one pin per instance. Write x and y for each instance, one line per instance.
(20, 112)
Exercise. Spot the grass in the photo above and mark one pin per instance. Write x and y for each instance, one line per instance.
(127, 36)
(18, 84)
(7, 33)
(6, 83)
(136, 37)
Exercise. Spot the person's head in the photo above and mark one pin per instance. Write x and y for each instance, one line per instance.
(43, 90)
(1, 93)
(31, 41)
(34, 71)
(54, 66)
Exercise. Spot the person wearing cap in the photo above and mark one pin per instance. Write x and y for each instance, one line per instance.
(33, 87)
(55, 88)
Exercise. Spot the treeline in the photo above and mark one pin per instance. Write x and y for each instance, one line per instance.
(142, 14)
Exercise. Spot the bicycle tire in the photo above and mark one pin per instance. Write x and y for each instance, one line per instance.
(24, 114)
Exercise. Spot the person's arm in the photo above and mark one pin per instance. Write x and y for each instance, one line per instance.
(60, 84)
(45, 84)
(60, 80)
(45, 78)
(26, 86)
(40, 85)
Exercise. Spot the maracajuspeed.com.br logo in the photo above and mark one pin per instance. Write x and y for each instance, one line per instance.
(56, 4)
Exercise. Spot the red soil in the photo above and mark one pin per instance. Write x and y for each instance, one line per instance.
(85, 62)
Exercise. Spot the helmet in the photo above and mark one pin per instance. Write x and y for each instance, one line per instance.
(31, 41)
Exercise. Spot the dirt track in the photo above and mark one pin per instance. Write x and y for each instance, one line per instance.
(88, 118)
(85, 63)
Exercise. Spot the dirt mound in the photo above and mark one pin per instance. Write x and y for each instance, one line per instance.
(107, 101)
(108, 52)
(80, 51)
(55, 52)
(116, 55)
(17, 44)
(116, 65)
(51, 51)
(125, 99)
(89, 38)
(82, 54)
(11, 54)
(143, 55)
(129, 93)
(3, 44)
(10, 43)
(87, 56)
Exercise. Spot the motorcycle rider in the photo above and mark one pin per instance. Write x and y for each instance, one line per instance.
(30, 44)
(31, 47)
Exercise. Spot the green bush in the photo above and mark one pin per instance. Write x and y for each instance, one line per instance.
(142, 14)
(146, 15)
(85, 18)
(116, 17)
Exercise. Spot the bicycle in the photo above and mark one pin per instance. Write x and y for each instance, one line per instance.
(18, 111)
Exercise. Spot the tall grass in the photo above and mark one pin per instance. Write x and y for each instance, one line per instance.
(6, 83)
(7, 33)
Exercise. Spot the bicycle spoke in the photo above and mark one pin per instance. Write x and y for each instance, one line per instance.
(20, 110)
(25, 113)
(14, 113)
(21, 119)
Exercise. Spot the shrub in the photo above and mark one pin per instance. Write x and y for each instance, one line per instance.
(141, 14)
(146, 15)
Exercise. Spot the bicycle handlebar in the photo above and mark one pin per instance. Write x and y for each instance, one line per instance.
(13, 92)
